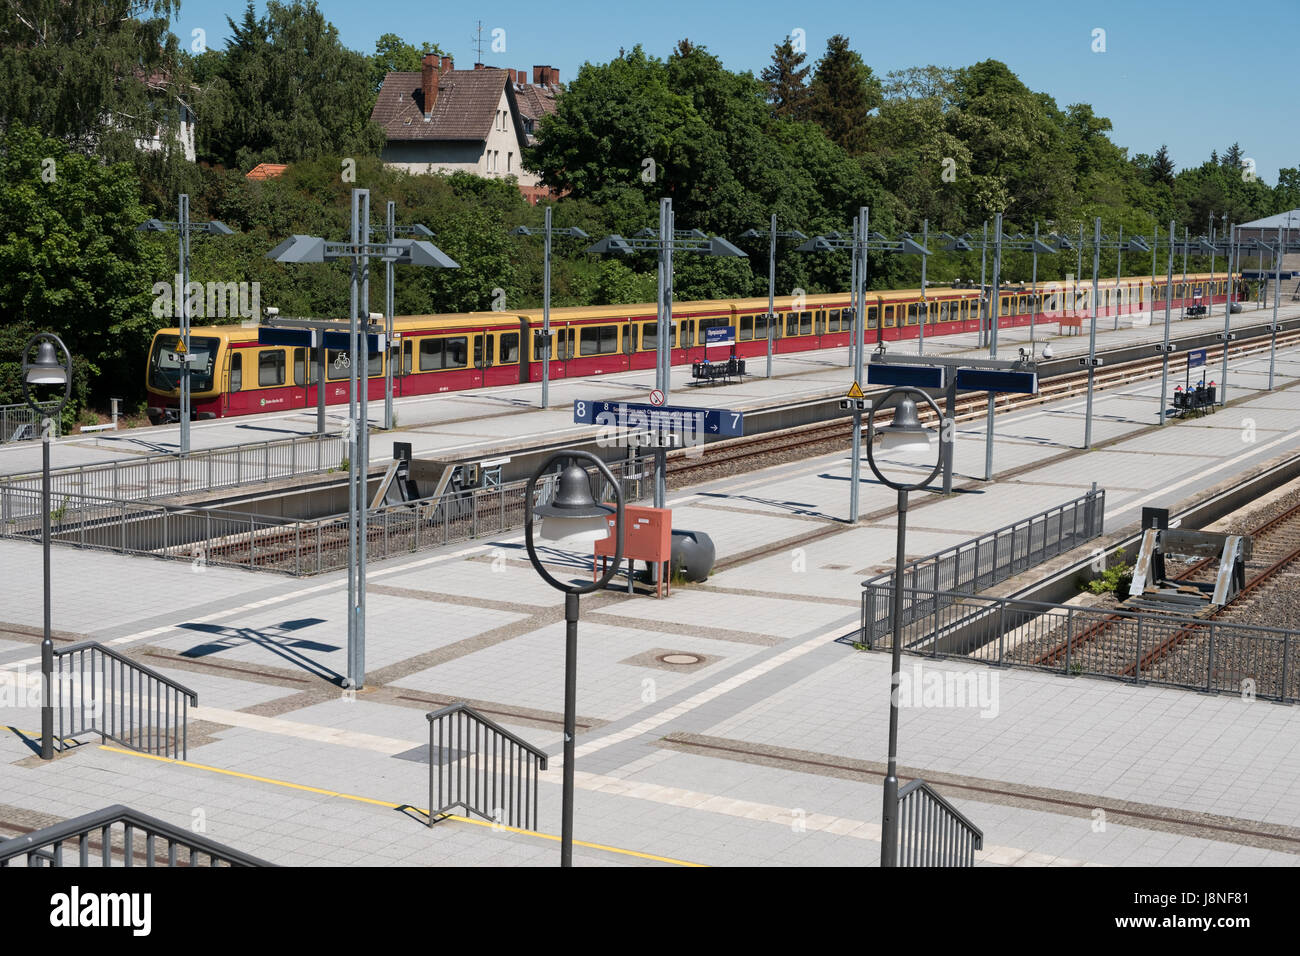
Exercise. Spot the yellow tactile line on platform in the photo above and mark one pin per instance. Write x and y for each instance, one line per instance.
(394, 806)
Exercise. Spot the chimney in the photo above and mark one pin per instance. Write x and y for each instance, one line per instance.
(479, 66)
(521, 77)
(538, 74)
(429, 83)
(555, 77)
(447, 65)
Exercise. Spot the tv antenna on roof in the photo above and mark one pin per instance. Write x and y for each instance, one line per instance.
(477, 40)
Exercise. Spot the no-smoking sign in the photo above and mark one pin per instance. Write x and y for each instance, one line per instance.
(656, 397)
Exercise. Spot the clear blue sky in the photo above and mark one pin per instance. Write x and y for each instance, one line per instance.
(1155, 80)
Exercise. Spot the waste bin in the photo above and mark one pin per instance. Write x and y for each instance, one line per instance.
(693, 555)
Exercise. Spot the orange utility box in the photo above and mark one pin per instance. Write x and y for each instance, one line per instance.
(647, 536)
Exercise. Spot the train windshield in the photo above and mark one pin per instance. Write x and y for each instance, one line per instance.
(165, 363)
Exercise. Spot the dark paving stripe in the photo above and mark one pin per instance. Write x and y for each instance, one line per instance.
(256, 673)
(1207, 826)
(752, 592)
(26, 634)
(688, 630)
(509, 713)
(445, 598)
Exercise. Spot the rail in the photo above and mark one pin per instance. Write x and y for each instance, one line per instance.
(141, 838)
(98, 690)
(932, 832)
(228, 466)
(984, 561)
(207, 536)
(481, 767)
(21, 423)
(1195, 653)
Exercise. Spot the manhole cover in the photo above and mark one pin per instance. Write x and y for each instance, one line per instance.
(680, 658)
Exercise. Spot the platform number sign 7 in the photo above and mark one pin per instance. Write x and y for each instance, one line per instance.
(735, 420)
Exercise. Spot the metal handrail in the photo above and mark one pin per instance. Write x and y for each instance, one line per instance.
(44, 847)
(131, 703)
(495, 765)
(932, 832)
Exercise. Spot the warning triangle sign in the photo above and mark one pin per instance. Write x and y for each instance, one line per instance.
(855, 391)
(180, 347)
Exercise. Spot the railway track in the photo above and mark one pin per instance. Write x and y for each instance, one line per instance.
(1276, 547)
(683, 468)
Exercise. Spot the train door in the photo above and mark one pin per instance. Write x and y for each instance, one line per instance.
(502, 358)
(687, 350)
(482, 359)
(628, 340)
(304, 377)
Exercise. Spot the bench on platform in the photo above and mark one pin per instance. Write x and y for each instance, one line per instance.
(1196, 401)
(713, 373)
(1193, 311)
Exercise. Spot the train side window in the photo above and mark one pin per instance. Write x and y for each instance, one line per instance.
(805, 323)
(304, 367)
(687, 335)
(598, 340)
(509, 348)
(791, 323)
(236, 371)
(539, 343)
(889, 316)
(335, 368)
(760, 326)
(375, 365)
(913, 310)
(438, 354)
(746, 328)
(873, 317)
(270, 367)
(833, 320)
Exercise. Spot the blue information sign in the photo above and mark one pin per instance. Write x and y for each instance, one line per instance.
(724, 335)
(997, 380)
(708, 421)
(917, 376)
(1196, 357)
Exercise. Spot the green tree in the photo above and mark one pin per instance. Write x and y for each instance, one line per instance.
(71, 261)
(843, 94)
(394, 55)
(97, 74)
(787, 82)
(287, 89)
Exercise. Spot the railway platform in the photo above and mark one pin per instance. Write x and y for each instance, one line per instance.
(499, 420)
(764, 744)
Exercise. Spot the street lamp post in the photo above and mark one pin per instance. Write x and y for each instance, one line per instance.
(1165, 349)
(572, 516)
(46, 370)
(904, 434)
(183, 227)
(773, 235)
(357, 251)
(862, 243)
(393, 230)
(548, 233)
(664, 241)
(1134, 244)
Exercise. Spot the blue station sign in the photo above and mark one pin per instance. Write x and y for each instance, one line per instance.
(723, 335)
(704, 421)
(916, 376)
(1196, 357)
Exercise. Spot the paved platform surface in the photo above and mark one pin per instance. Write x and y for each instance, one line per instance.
(482, 420)
(769, 750)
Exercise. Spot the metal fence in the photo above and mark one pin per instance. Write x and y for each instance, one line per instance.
(481, 767)
(119, 836)
(932, 832)
(984, 561)
(20, 422)
(207, 536)
(155, 476)
(97, 690)
(1193, 653)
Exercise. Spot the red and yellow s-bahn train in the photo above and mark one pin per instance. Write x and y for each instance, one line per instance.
(231, 374)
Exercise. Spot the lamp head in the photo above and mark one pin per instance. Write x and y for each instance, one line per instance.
(47, 369)
(572, 516)
(905, 432)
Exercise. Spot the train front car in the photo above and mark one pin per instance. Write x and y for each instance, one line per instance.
(163, 375)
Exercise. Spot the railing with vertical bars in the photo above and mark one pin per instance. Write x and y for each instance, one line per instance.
(97, 690)
(481, 767)
(983, 561)
(118, 836)
(932, 832)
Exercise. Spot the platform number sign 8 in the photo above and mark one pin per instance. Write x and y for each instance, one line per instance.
(580, 410)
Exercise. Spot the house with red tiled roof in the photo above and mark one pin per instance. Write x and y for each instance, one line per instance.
(266, 171)
(476, 121)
